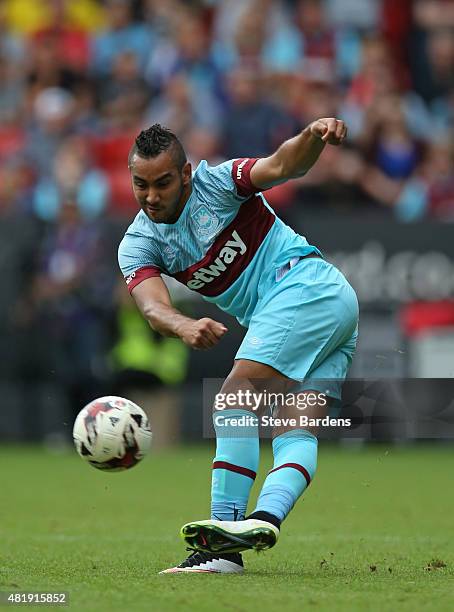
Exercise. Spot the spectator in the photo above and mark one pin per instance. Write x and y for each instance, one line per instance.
(387, 141)
(430, 191)
(443, 114)
(11, 92)
(45, 68)
(328, 52)
(73, 177)
(261, 31)
(50, 124)
(12, 46)
(125, 88)
(72, 42)
(440, 53)
(121, 35)
(252, 125)
(86, 118)
(163, 16)
(376, 75)
(376, 81)
(432, 48)
(188, 52)
(180, 107)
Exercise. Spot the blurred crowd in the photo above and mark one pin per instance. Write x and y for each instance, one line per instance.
(232, 78)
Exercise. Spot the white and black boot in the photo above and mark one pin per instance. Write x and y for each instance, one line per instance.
(208, 563)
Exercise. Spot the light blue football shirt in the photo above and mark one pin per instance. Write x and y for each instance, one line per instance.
(226, 244)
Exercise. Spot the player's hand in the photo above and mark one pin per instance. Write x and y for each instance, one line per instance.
(202, 334)
(330, 130)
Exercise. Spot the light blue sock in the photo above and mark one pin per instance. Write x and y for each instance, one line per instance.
(295, 462)
(235, 465)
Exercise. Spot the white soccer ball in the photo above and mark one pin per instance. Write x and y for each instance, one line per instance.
(112, 433)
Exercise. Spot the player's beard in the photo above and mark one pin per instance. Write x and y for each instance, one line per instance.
(177, 206)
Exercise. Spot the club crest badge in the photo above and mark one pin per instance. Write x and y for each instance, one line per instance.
(206, 221)
(169, 253)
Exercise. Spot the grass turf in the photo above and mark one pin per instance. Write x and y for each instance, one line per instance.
(374, 532)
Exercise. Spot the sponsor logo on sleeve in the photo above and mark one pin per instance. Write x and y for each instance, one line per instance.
(239, 170)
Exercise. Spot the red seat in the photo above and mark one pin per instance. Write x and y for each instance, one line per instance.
(12, 140)
(111, 152)
(122, 201)
(419, 317)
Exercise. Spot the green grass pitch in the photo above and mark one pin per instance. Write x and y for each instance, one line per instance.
(373, 532)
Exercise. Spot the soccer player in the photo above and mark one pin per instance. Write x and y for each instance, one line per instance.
(213, 231)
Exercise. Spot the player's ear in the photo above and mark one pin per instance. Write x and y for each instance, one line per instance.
(186, 173)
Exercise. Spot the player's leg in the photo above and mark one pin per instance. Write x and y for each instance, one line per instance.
(234, 469)
(295, 447)
(322, 312)
(295, 461)
(237, 444)
(235, 464)
(303, 320)
(301, 328)
(295, 451)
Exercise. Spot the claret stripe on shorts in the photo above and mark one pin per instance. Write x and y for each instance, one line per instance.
(224, 465)
(295, 466)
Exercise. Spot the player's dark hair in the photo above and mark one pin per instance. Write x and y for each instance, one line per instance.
(155, 140)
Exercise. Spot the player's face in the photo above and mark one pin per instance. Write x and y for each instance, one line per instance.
(160, 188)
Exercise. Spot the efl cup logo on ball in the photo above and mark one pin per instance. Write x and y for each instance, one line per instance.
(112, 433)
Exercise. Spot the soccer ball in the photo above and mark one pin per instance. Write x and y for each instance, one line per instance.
(112, 433)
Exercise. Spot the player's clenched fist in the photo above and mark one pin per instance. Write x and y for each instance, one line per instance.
(330, 130)
(202, 334)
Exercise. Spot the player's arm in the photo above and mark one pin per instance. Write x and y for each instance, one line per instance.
(298, 154)
(153, 300)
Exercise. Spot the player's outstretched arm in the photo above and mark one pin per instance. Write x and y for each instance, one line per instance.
(153, 300)
(298, 154)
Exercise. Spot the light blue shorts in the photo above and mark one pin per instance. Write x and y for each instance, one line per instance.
(305, 325)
